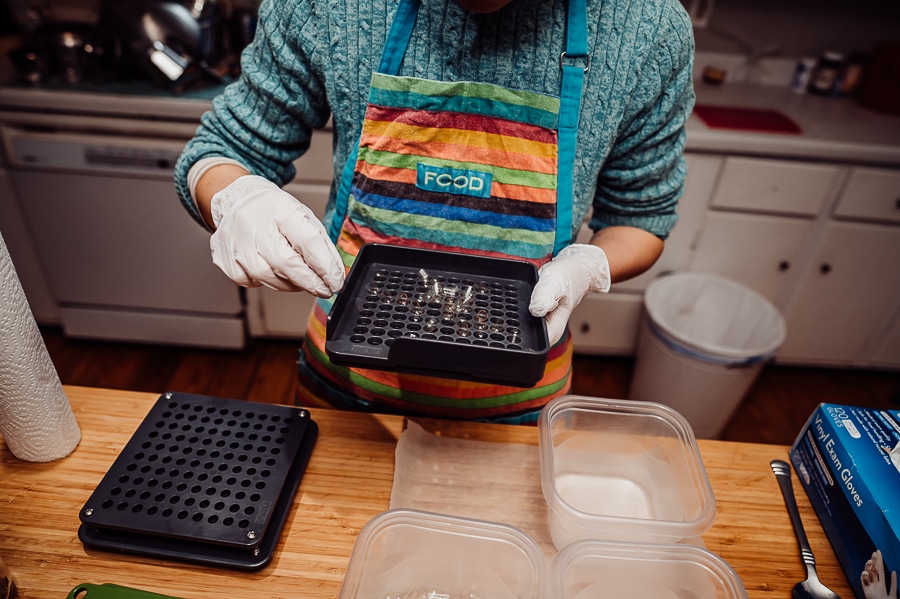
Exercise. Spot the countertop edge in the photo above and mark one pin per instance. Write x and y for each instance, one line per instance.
(105, 104)
(836, 130)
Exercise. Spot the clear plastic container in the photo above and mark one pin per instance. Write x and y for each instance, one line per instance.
(610, 570)
(622, 470)
(410, 554)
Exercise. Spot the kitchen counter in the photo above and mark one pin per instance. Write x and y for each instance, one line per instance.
(134, 101)
(832, 128)
(347, 482)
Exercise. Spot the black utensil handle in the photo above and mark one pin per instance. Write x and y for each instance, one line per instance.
(782, 472)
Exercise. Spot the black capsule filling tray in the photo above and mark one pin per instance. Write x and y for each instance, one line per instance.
(202, 479)
(436, 313)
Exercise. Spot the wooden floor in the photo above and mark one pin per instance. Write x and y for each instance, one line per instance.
(773, 411)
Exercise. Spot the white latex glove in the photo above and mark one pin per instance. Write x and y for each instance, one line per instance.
(895, 456)
(265, 236)
(873, 579)
(566, 280)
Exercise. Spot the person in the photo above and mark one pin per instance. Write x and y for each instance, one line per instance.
(563, 110)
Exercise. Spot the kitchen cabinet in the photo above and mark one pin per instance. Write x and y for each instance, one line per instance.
(606, 323)
(28, 267)
(774, 186)
(845, 307)
(759, 251)
(96, 202)
(834, 273)
(137, 269)
(871, 194)
(887, 350)
(761, 217)
(846, 298)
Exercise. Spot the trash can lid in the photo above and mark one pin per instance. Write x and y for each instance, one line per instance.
(713, 314)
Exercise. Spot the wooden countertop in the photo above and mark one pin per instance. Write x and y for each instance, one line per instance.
(347, 482)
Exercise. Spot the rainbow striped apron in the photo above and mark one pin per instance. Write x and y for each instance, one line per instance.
(462, 167)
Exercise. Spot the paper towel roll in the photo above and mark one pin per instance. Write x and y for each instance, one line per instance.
(36, 420)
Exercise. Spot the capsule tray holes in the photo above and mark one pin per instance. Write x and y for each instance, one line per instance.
(396, 302)
(202, 469)
(438, 313)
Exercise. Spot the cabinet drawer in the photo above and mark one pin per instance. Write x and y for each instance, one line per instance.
(887, 352)
(760, 251)
(774, 186)
(606, 323)
(273, 313)
(317, 164)
(871, 194)
(846, 299)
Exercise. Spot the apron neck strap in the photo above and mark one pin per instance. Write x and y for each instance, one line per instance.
(398, 37)
(574, 63)
(405, 19)
(576, 29)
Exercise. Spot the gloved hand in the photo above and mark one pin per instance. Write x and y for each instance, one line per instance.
(566, 280)
(874, 582)
(265, 236)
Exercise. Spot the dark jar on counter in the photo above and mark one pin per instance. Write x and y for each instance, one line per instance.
(826, 74)
(852, 75)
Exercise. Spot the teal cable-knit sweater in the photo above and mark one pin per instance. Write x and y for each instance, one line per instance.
(313, 59)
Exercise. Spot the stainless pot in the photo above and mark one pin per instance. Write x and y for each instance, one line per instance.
(162, 38)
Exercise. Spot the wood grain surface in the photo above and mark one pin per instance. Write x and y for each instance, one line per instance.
(348, 481)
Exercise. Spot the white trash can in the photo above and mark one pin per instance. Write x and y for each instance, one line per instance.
(703, 341)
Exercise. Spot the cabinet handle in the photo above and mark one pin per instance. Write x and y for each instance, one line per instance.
(784, 265)
(897, 203)
(585, 328)
(825, 268)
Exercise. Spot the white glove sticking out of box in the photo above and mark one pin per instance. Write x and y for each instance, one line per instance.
(874, 581)
(895, 456)
(566, 280)
(265, 236)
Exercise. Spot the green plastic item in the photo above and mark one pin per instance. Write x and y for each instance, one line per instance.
(112, 591)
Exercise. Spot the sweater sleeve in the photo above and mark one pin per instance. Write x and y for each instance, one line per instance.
(643, 177)
(264, 120)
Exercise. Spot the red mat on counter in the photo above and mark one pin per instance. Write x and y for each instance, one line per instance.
(746, 119)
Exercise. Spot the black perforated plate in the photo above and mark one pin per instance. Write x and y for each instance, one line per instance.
(437, 313)
(202, 479)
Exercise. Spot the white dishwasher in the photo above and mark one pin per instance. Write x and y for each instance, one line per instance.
(123, 259)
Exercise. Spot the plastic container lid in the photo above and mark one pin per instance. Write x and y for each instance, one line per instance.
(411, 554)
(610, 570)
(622, 470)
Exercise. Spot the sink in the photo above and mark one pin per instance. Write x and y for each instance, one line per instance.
(763, 120)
